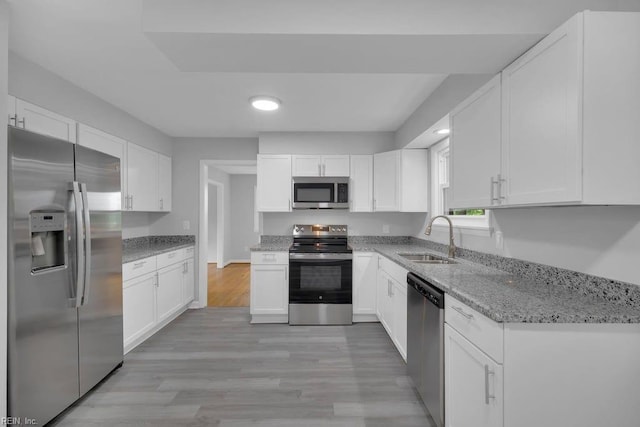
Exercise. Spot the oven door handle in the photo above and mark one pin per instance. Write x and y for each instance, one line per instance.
(320, 257)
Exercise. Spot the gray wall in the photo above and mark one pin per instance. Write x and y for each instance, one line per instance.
(325, 142)
(39, 86)
(242, 236)
(4, 46)
(212, 254)
(450, 93)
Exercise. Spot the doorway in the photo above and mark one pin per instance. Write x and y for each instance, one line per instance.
(232, 227)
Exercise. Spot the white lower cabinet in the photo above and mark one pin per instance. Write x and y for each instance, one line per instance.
(391, 307)
(169, 297)
(365, 271)
(139, 306)
(269, 300)
(155, 291)
(473, 384)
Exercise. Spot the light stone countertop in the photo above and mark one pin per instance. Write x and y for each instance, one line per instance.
(506, 297)
(143, 247)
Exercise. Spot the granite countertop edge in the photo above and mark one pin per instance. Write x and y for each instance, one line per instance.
(270, 247)
(504, 297)
(141, 253)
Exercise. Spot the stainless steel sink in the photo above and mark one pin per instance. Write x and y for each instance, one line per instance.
(427, 259)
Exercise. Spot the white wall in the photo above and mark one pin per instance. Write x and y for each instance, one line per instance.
(325, 142)
(212, 254)
(4, 66)
(450, 93)
(242, 217)
(360, 224)
(137, 224)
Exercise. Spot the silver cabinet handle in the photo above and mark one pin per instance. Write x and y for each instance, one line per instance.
(324, 170)
(77, 199)
(87, 243)
(161, 204)
(494, 183)
(22, 121)
(140, 264)
(172, 255)
(487, 395)
(461, 311)
(500, 180)
(13, 118)
(131, 202)
(319, 170)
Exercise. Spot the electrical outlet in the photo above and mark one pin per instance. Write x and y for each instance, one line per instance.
(186, 225)
(385, 228)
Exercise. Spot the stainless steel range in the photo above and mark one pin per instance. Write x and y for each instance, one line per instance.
(320, 284)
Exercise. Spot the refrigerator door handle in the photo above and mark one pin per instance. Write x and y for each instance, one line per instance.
(87, 244)
(80, 273)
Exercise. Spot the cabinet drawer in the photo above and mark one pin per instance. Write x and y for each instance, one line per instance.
(270, 258)
(169, 258)
(476, 327)
(397, 272)
(189, 252)
(138, 268)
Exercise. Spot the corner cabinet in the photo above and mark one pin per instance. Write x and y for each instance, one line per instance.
(274, 183)
(501, 374)
(568, 120)
(400, 181)
(365, 271)
(156, 290)
(269, 299)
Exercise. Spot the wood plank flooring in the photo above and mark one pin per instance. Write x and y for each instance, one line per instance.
(210, 367)
(228, 286)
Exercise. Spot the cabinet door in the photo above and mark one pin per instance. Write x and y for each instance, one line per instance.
(306, 165)
(169, 290)
(164, 183)
(188, 282)
(41, 120)
(386, 192)
(384, 307)
(542, 120)
(274, 183)
(108, 144)
(142, 178)
(138, 306)
(337, 165)
(365, 271)
(399, 297)
(269, 289)
(473, 384)
(361, 183)
(474, 146)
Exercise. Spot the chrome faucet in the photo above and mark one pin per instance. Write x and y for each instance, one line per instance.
(452, 246)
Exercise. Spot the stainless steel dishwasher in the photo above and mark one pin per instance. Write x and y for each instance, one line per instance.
(425, 343)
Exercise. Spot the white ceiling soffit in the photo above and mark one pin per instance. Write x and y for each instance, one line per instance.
(429, 137)
(331, 53)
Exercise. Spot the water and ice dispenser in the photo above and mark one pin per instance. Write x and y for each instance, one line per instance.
(48, 240)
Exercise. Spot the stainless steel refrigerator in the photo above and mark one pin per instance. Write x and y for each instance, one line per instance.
(65, 273)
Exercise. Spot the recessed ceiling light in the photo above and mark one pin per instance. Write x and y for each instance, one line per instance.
(265, 103)
(442, 131)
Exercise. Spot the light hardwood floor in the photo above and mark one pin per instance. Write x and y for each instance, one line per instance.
(229, 286)
(210, 367)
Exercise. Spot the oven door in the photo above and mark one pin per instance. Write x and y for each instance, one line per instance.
(320, 278)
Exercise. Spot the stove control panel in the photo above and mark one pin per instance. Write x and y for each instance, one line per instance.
(300, 230)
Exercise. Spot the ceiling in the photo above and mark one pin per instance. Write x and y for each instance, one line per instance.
(188, 67)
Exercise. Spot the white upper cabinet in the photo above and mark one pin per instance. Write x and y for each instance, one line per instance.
(361, 183)
(541, 93)
(320, 165)
(40, 120)
(164, 183)
(400, 181)
(474, 146)
(108, 144)
(274, 183)
(142, 180)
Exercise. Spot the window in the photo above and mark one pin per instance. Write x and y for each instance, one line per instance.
(440, 174)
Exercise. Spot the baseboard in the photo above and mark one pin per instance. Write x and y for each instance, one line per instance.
(237, 261)
(269, 318)
(359, 318)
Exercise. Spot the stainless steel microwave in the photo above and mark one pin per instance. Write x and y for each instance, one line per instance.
(320, 192)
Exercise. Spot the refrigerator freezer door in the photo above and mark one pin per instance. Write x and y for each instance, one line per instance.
(100, 315)
(43, 329)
